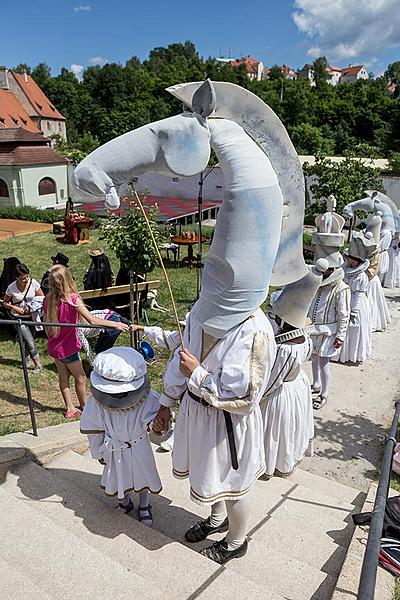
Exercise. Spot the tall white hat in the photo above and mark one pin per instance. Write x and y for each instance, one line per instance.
(328, 238)
(294, 301)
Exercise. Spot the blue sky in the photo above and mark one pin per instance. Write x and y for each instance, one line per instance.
(65, 33)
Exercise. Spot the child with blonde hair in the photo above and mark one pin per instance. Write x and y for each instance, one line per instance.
(63, 305)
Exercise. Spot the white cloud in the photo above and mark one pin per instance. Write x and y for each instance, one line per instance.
(82, 8)
(98, 61)
(346, 29)
(77, 70)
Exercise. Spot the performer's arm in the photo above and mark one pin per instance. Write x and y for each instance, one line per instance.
(93, 426)
(342, 314)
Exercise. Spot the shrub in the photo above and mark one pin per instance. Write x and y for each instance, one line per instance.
(30, 213)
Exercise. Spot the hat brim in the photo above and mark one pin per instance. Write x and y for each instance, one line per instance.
(130, 399)
(109, 386)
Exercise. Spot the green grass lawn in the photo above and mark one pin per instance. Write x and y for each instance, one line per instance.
(35, 250)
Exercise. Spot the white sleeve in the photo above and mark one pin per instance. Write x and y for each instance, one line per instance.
(162, 337)
(92, 424)
(150, 408)
(175, 382)
(285, 365)
(237, 385)
(342, 313)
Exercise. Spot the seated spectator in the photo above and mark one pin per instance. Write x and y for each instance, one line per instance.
(8, 274)
(58, 259)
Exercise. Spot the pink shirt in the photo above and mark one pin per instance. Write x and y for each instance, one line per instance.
(66, 343)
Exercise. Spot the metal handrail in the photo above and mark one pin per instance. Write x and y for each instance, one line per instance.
(366, 589)
(17, 323)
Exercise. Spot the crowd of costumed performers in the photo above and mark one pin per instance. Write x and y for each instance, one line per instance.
(235, 374)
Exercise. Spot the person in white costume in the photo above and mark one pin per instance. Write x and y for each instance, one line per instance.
(116, 419)
(379, 311)
(357, 344)
(392, 277)
(330, 307)
(286, 406)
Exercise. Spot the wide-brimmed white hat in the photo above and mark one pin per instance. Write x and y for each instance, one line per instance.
(118, 370)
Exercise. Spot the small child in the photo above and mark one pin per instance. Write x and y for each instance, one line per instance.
(116, 419)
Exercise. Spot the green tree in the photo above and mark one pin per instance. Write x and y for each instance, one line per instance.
(21, 67)
(275, 73)
(320, 66)
(309, 139)
(346, 180)
(41, 73)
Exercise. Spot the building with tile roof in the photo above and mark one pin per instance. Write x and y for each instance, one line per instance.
(351, 74)
(32, 173)
(254, 67)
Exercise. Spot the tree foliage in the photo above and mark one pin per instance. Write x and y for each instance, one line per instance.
(115, 98)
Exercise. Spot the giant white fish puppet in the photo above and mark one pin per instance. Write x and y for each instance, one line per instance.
(375, 202)
(259, 232)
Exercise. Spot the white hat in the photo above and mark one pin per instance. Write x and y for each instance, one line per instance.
(328, 238)
(362, 245)
(294, 301)
(118, 370)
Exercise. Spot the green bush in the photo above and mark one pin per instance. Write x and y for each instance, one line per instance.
(30, 213)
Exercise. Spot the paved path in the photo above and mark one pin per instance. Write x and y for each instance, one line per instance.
(350, 428)
(14, 227)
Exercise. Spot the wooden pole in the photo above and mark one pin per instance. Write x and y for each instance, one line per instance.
(135, 194)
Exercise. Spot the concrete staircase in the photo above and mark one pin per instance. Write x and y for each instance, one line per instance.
(61, 538)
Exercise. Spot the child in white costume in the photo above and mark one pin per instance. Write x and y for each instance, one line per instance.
(330, 308)
(286, 406)
(357, 345)
(392, 277)
(116, 420)
(379, 311)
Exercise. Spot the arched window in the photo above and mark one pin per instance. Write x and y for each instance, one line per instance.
(46, 186)
(3, 189)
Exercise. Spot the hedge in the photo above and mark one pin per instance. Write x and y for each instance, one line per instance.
(30, 213)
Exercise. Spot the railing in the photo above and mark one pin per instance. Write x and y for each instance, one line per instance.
(366, 589)
(17, 323)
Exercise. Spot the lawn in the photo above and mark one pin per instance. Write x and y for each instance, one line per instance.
(35, 250)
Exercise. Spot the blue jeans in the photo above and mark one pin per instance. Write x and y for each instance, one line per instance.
(109, 336)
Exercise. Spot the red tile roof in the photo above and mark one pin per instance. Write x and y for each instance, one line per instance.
(20, 147)
(352, 70)
(12, 114)
(38, 99)
(249, 62)
(15, 135)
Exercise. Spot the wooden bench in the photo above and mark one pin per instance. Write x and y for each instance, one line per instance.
(116, 290)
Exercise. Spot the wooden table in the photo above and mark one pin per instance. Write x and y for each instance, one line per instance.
(180, 241)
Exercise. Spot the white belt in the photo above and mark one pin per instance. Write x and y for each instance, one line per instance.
(112, 444)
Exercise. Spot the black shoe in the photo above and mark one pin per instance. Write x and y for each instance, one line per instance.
(203, 529)
(220, 554)
(125, 508)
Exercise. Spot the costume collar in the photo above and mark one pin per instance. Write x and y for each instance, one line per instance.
(336, 276)
(353, 271)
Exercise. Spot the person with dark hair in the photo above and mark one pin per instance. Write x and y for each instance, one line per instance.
(8, 274)
(58, 259)
(98, 276)
(17, 298)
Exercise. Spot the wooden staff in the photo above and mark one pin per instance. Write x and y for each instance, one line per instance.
(135, 194)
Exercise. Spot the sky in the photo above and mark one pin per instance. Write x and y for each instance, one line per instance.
(78, 34)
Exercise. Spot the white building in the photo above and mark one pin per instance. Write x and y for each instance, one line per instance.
(351, 74)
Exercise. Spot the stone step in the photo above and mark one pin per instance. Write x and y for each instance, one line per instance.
(71, 485)
(327, 486)
(272, 566)
(56, 561)
(15, 585)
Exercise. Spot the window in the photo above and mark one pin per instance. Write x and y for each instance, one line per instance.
(46, 186)
(3, 189)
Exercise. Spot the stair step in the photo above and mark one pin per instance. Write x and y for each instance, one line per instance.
(56, 561)
(327, 486)
(18, 587)
(281, 556)
(80, 506)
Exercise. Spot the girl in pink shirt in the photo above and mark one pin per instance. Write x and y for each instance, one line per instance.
(63, 305)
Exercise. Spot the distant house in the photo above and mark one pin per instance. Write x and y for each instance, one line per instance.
(254, 67)
(287, 72)
(333, 74)
(307, 72)
(351, 74)
(34, 102)
(32, 173)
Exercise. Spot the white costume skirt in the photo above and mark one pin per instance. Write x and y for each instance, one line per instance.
(383, 264)
(357, 344)
(379, 311)
(288, 425)
(324, 345)
(201, 452)
(129, 469)
(391, 278)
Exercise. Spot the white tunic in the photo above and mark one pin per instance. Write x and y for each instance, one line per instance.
(166, 339)
(385, 241)
(287, 409)
(330, 312)
(357, 345)
(121, 438)
(232, 377)
(391, 278)
(379, 311)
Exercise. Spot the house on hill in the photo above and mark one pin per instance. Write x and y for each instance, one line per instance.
(351, 74)
(32, 173)
(35, 103)
(254, 67)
